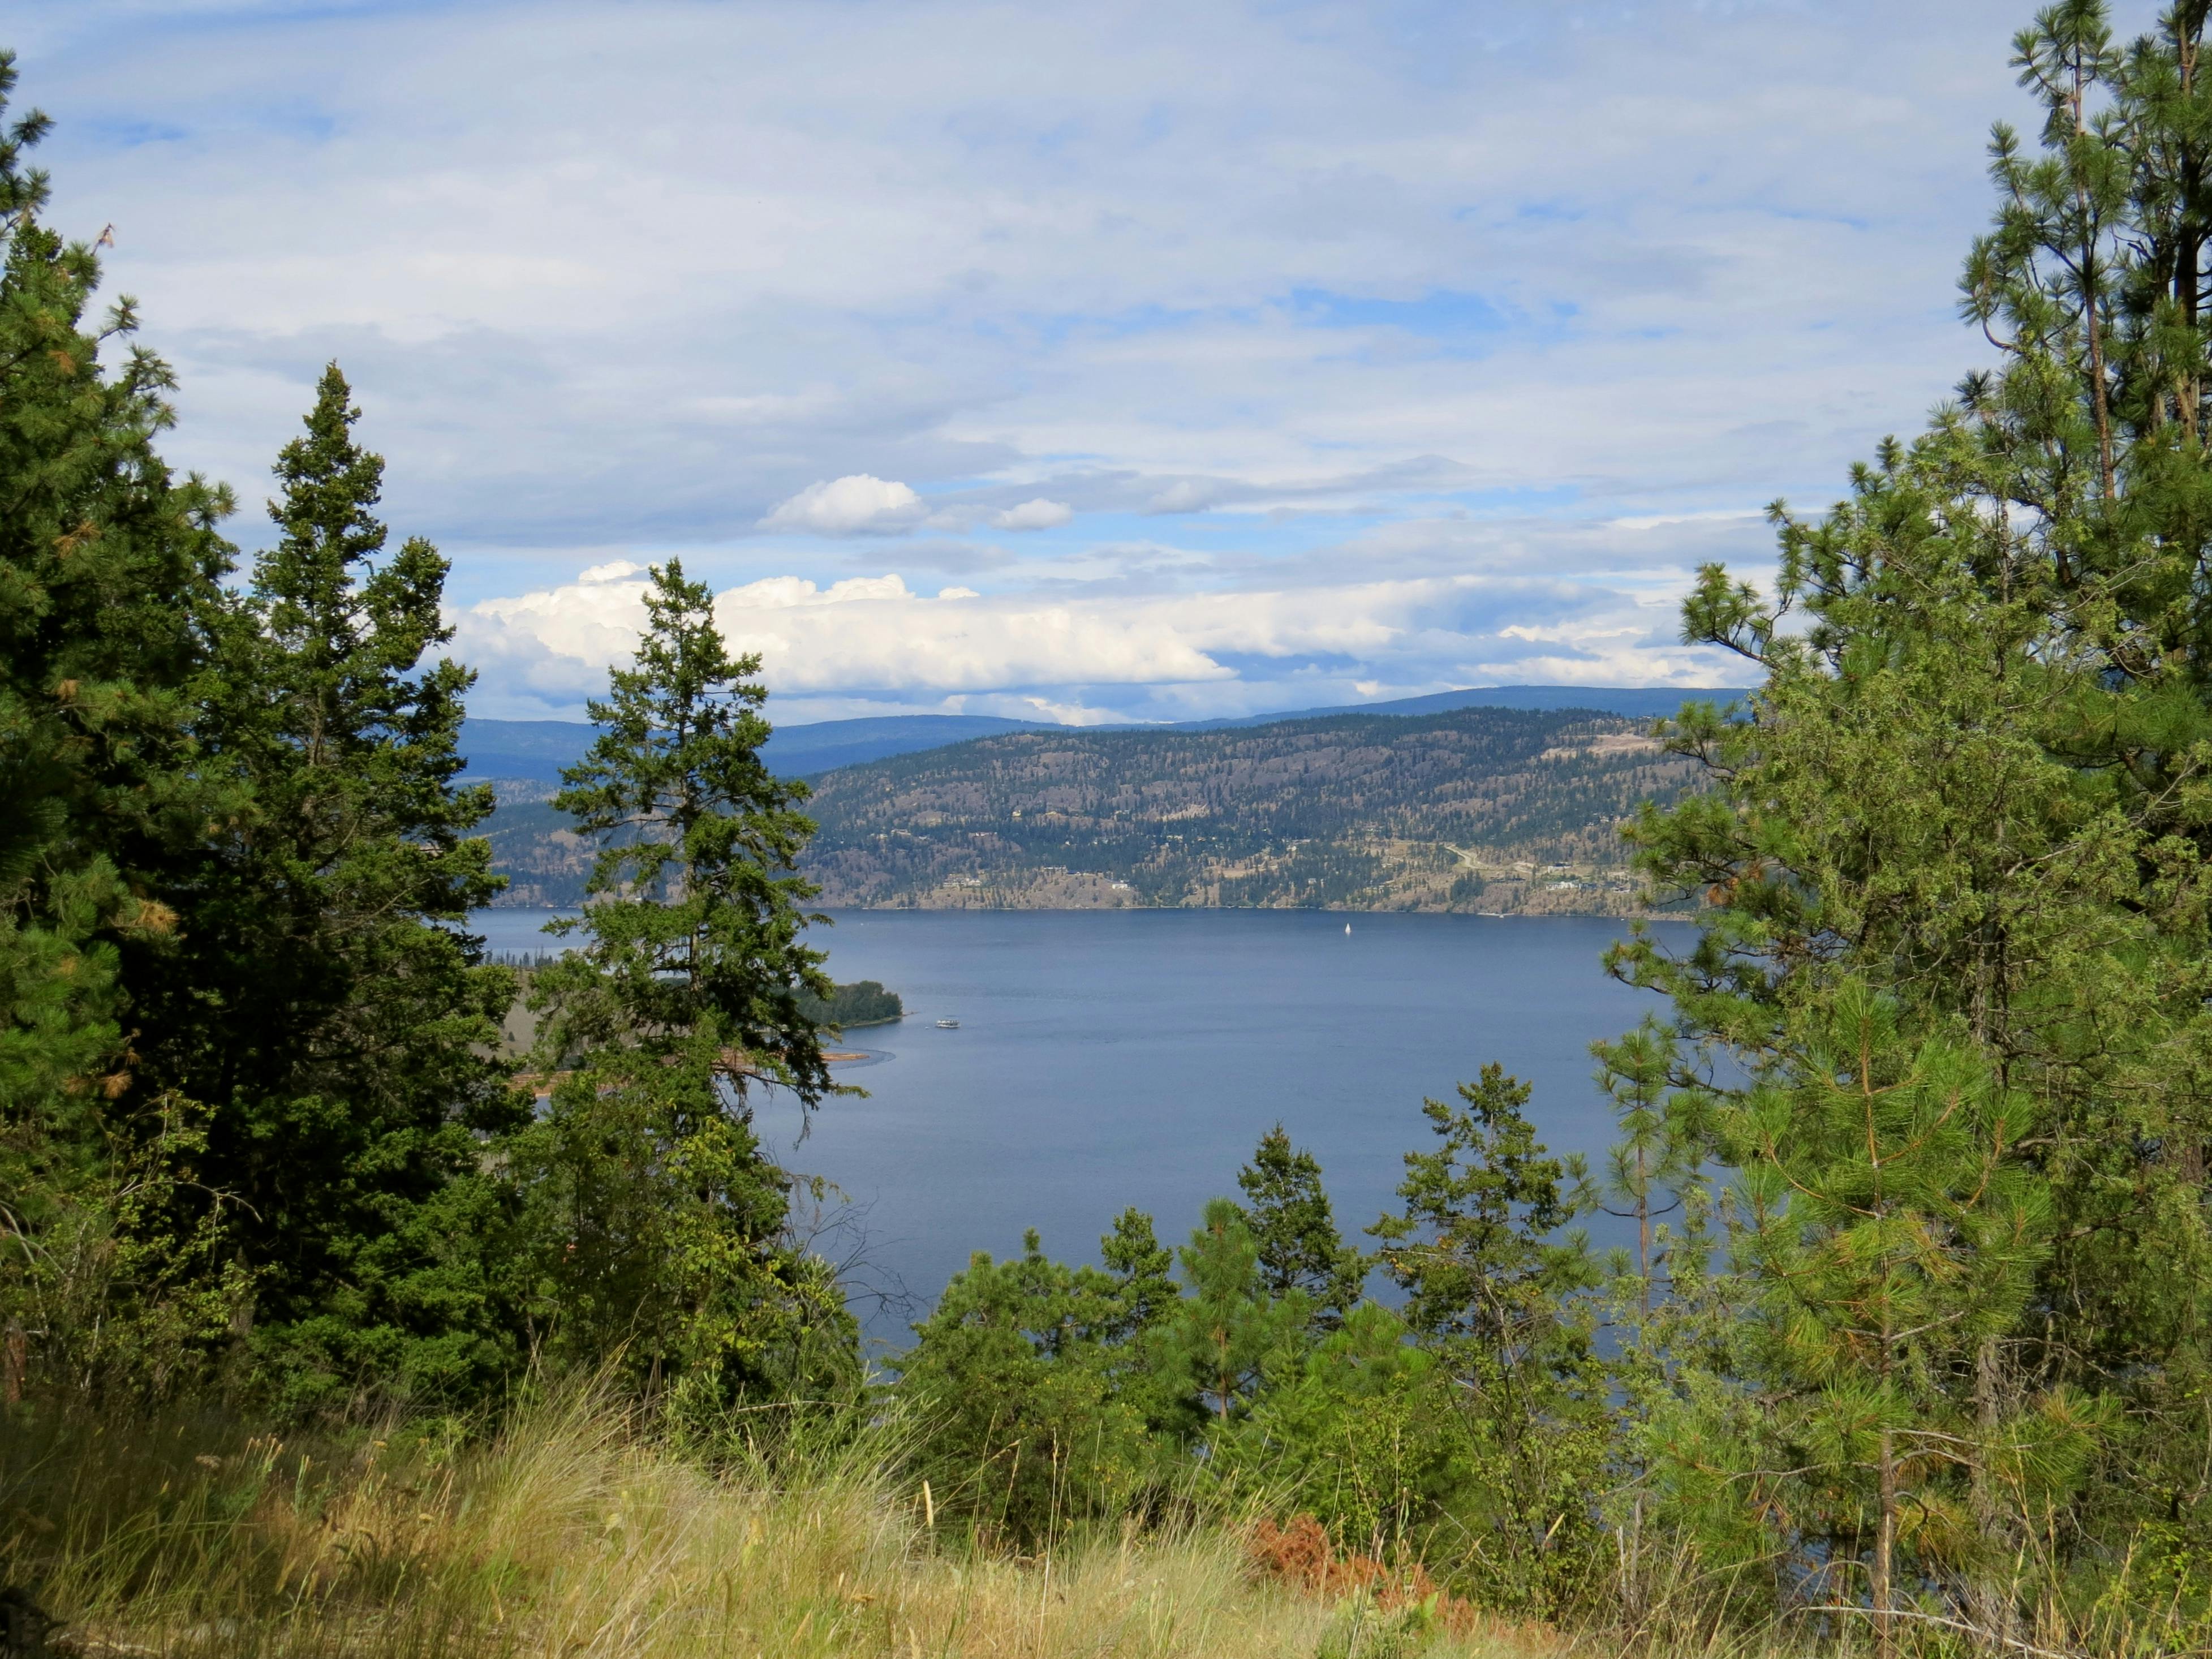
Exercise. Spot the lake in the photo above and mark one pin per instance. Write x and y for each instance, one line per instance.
(1111, 1058)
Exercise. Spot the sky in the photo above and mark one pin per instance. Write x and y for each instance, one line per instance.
(1125, 360)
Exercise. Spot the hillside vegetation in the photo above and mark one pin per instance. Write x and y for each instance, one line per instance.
(1911, 1351)
(572, 1533)
(1476, 808)
(1480, 809)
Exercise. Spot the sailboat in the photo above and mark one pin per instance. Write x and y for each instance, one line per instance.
(1347, 927)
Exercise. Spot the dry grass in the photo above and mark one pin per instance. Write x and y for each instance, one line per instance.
(570, 1535)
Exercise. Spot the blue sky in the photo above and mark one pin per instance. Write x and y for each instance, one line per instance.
(1125, 360)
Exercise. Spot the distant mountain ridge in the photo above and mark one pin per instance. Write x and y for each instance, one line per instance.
(1472, 809)
(535, 750)
(1629, 702)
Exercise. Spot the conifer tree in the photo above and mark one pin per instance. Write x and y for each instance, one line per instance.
(1657, 1147)
(109, 587)
(321, 1000)
(1498, 1290)
(1361, 1430)
(1300, 1249)
(1972, 780)
(1229, 1325)
(1142, 1268)
(660, 1221)
(1475, 1249)
(1031, 1377)
(1893, 1230)
(696, 911)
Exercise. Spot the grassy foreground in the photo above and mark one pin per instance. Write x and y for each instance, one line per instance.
(570, 1535)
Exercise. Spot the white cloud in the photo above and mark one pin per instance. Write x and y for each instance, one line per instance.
(1275, 647)
(1662, 520)
(851, 274)
(1185, 495)
(856, 504)
(1039, 514)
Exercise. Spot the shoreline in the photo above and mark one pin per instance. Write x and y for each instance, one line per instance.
(1220, 909)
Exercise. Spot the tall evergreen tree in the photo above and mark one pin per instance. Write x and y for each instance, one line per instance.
(109, 588)
(1288, 1211)
(664, 1219)
(1974, 780)
(322, 1000)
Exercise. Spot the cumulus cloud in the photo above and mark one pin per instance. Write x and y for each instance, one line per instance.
(857, 504)
(971, 264)
(1039, 514)
(1187, 495)
(875, 635)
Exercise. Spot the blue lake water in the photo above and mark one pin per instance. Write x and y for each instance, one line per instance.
(1111, 1058)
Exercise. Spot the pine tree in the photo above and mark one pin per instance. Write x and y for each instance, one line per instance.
(664, 1219)
(1142, 1268)
(321, 1000)
(1229, 1326)
(1300, 1249)
(1496, 1288)
(109, 584)
(1973, 781)
(1893, 1229)
(1475, 1249)
(1361, 1430)
(1658, 1148)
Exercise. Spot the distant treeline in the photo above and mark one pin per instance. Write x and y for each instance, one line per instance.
(864, 1002)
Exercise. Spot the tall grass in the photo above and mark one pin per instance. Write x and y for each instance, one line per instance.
(571, 1533)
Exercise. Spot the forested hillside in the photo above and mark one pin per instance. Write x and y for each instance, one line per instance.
(1477, 808)
(323, 1331)
(1480, 809)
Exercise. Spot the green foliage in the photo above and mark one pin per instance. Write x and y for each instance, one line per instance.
(1028, 1381)
(1364, 1431)
(129, 1297)
(862, 1003)
(1893, 1236)
(1500, 1295)
(694, 915)
(1915, 1323)
(109, 586)
(1657, 1152)
(320, 999)
(1295, 1229)
(651, 1223)
(651, 1230)
(1228, 1326)
(1474, 1249)
(1947, 1016)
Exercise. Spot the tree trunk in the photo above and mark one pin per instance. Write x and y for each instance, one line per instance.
(1885, 1550)
(1990, 1591)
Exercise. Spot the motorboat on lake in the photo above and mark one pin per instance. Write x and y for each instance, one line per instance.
(948, 1024)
